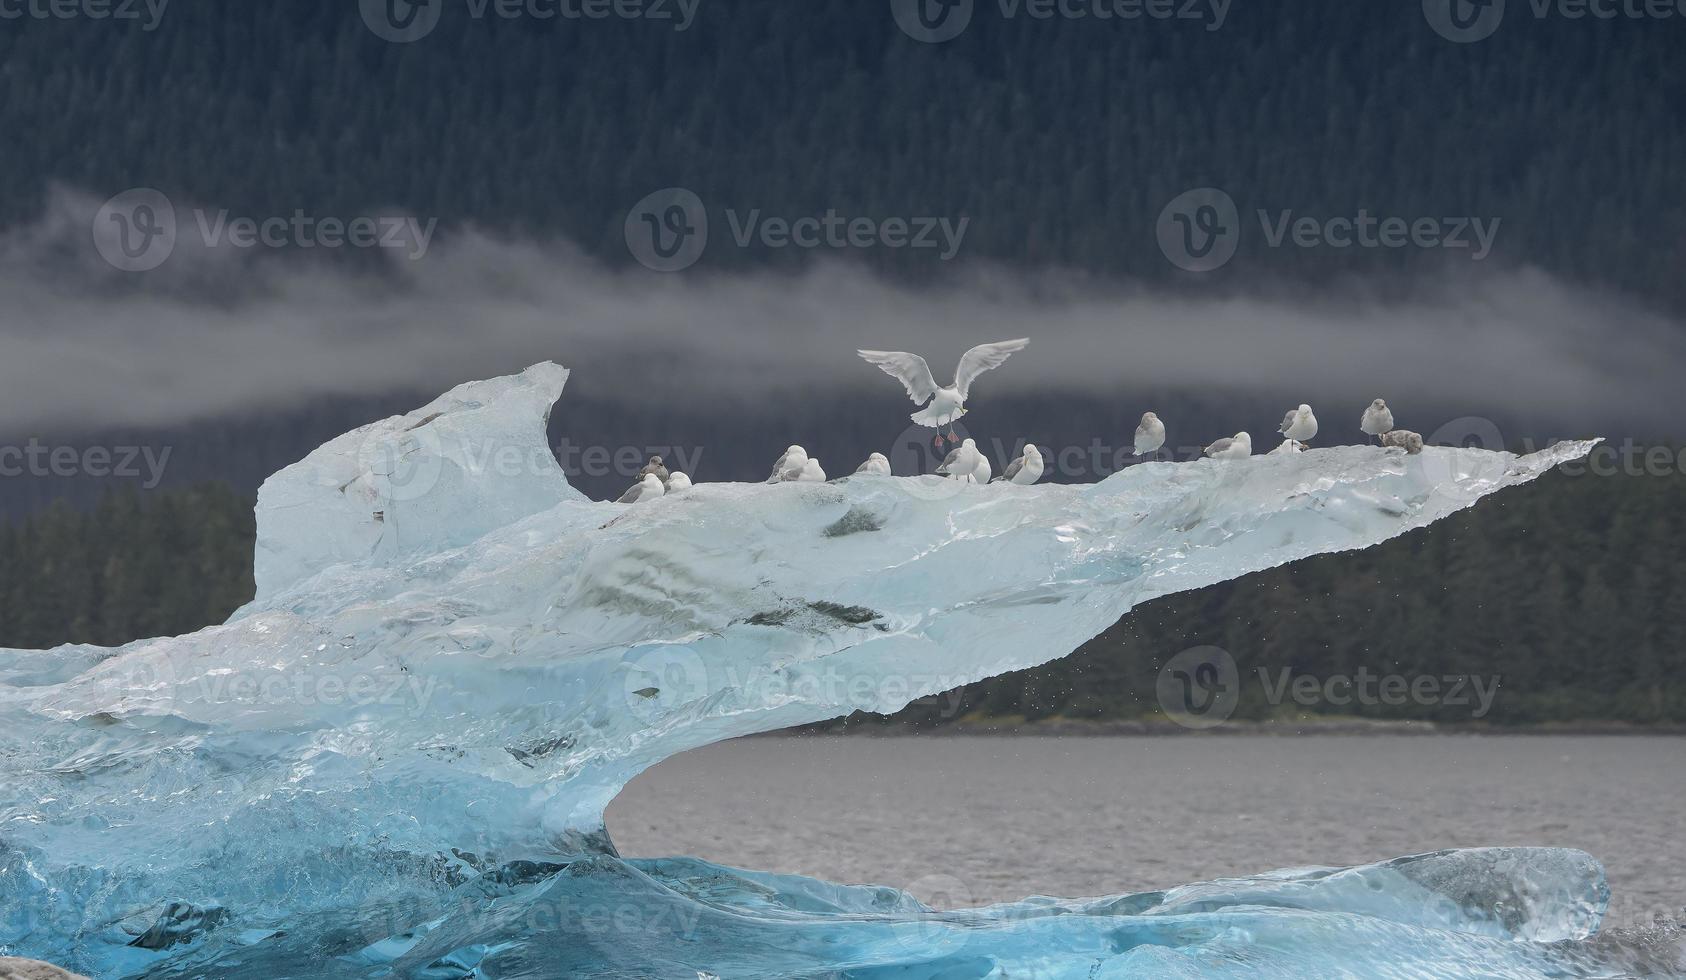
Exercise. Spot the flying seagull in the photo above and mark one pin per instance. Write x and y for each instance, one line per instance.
(946, 404)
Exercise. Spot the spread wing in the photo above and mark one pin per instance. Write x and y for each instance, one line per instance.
(982, 358)
(910, 369)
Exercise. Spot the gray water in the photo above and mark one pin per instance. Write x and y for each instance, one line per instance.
(975, 820)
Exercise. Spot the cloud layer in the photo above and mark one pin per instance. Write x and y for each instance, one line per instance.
(219, 331)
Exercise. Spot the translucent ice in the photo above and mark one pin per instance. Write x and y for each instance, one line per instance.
(395, 760)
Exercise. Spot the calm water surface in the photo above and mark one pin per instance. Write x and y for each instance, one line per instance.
(966, 820)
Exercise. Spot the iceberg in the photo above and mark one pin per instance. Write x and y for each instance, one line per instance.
(395, 761)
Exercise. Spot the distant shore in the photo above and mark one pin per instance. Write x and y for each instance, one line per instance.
(1159, 727)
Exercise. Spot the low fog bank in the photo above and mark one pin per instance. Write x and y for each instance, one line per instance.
(218, 332)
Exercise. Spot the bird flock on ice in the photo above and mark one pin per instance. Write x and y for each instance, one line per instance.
(942, 406)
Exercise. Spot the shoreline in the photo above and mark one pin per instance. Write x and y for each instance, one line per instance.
(1161, 728)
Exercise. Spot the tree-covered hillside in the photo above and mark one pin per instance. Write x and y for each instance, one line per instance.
(1061, 140)
(137, 565)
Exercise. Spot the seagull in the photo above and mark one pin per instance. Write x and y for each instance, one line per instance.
(789, 466)
(655, 466)
(1288, 448)
(1404, 439)
(875, 465)
(643, 491)
(947, 404)
(677, 482)
(1300, 425)
(1025, 470)
(1150, 435)
(1239, 446)
(811, 472)
(1378, 420)
(962, 462)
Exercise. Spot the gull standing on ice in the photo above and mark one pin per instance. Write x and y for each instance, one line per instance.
(655, 466)
(811, 472)
(947, 404)
(1239, 446)
(789, 466)
(1378, 419)
(677, 482)
(1300, 425)
(962, 463)
(643, 491)
(875, 465)
(1150, 435)
(1025, 470)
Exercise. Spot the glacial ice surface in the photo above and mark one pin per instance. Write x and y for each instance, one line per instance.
(395, 761)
